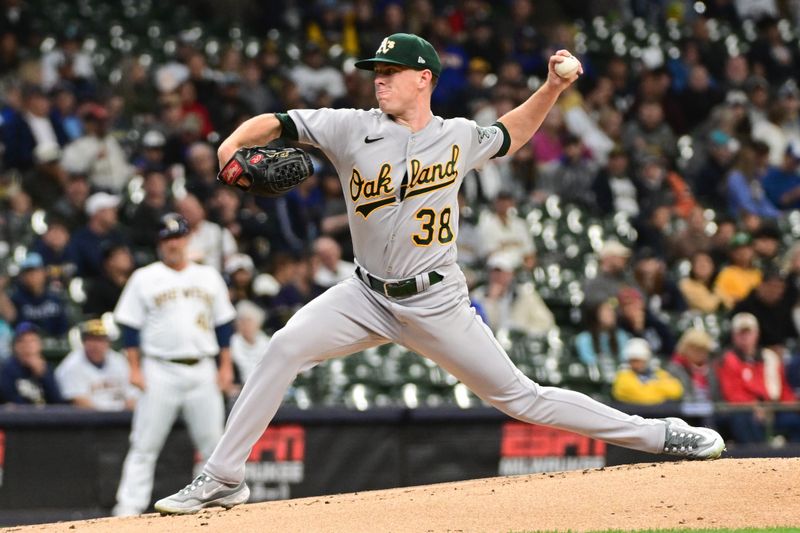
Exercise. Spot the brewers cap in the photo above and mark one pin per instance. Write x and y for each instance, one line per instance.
(172, 225)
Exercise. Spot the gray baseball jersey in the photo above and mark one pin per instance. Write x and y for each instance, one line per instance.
(400, 186)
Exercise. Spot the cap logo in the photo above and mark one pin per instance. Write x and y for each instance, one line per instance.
(420, 60)
(385, 46)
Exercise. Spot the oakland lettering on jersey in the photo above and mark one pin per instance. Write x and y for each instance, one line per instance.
(432, 177)
(379, 187)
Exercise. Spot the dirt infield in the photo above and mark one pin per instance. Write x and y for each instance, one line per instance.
(726, 493)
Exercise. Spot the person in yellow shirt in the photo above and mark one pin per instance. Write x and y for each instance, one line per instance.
(697, 288)
(639, 382)
(736, 280)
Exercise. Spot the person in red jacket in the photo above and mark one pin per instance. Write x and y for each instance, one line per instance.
(749, 374)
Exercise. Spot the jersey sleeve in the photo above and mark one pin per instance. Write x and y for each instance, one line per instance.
(485, 143)
(327, 129)
(130, 309)
(223, 311)
(69, 379)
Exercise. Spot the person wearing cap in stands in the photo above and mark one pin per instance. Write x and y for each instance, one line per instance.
(745, 187)
(26, 378)
(152, 156)
(249, 343)
(749, 374)
(97, 153)
(34, 302)
(612, 273)
(87, 243)
(691, 365)
(32, 126)
(510, 305)
(782, 183)
(94, 376)
(640, 382)
(175, 317)
(240, 271)
(735, 281)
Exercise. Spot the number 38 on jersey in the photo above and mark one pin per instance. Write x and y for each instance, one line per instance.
(433, 225)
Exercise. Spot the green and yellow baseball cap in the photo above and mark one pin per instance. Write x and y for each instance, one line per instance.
(407, 50)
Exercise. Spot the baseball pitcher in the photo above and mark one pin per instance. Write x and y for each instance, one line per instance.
(401, 168)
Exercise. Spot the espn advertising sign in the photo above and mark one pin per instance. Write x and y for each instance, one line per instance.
(530, 449)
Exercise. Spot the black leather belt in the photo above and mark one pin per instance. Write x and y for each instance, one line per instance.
(187, 361)
(397, 289)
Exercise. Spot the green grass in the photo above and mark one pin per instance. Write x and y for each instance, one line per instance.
(693, 530)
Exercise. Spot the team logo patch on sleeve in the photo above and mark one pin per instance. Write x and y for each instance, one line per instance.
(485, 133)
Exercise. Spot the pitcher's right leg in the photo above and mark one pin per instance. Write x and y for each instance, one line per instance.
(343, 320)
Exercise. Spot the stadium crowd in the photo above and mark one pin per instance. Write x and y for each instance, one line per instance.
(681, 143)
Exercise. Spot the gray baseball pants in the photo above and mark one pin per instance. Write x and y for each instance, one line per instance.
(439, 324)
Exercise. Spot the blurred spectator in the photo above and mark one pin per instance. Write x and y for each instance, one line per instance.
(640, 382)
(32, 126)
(194, 112)
(614, 189)
(767, 245)
(612, 273)
(735, 281)
(691, 365)
(721, 239)
(103, 291)
(152, 156)
(602, 342)
(658, 186)
(68, 63)
(143, 218)
(34, 302)
(202, 167)
(503, 230)
(638, 321)
(782, 184)
(300, 214)
(770, 56)
(573, 178)
(240, 271)
(693, 238)
(315, 78)
(94, 376)
(97, 153)
(44, 183)
(652, 279)
(745, 188)
(254, 92)
(297, 288)
(249, 343)
(102, 230)
(509, 305)
(768, 302)
(331, 269)
(649, 135)
(468, 239)
(209, 244)
(749, 374)
(52, 247)
(71, 208)
(698, 98)
(334, 221)
(697, 287)
(547, 142)
(26, 378)
(654, 228)
(16, 218)
(708, 179)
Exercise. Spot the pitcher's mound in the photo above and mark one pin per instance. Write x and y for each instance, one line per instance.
(726, 493)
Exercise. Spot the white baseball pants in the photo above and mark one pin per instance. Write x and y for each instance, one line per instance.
(439, 324)
(170, 389)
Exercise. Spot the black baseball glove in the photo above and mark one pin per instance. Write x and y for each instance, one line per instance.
(266, 171)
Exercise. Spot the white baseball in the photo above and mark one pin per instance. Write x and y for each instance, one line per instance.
(568, 67)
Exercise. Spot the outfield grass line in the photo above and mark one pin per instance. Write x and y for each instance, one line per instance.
(788, 529)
